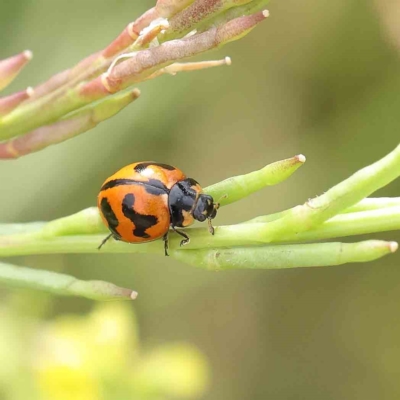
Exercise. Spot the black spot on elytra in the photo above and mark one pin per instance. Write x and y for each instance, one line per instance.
(110, 217)
(142, 222)
(152, 186)
(155, 187)
(142, 166)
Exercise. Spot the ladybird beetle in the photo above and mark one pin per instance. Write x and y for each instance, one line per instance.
(141, 201)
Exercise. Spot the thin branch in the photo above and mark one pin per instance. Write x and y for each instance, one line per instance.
(65, 129)
(335, 200)
(232, 13)
(374, 204)
(173, 69)
(82, 232)
(168, 8)
(9, 103)
(11, 67)
(140, 66)
(349, 224)
(238, 187)
(200, 11)
(254, 257)
(61, 284)
(233, 189)
(146, 62)
(287, 256)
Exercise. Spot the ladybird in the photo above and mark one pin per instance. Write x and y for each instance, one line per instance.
(141, 201)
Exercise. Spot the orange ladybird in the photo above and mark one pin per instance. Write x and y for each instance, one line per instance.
(141, 201)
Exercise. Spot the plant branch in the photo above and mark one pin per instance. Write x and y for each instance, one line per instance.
(374, 204)
(11, 67)
(196, 13)
(61, 284)
(243, 245)
(67, 128)
(9, 103)
(137, 68)
(287, 256)
(335, 200)
(88, 221)
(238, 187)
(232, 13)
(49, 237)
(348, 224)
(40, 120)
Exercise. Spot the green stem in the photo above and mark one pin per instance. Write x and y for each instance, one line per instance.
(367, 204)
(374, 204)
(77, 233)
(15, 245)
(288, 256)
(49, 240)
(255, 257)
(67, 128)
(350, 224)
(88, 221)
(238, 187)
(22, 228)
(61, 284)
(335, 200)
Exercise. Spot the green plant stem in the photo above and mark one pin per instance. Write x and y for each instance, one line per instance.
(350, 224)
(22, 228)
(12, 66)
(67, 128)
(297, 224)
(255, 257)
(88, 221)
(29, 245)
(80, 233)
(49, 238)
(371, 203)
(287, 256)
(61, 284)
(335, 200)
(238, 187)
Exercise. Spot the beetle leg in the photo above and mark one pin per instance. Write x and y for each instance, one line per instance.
(104, 241)
(184, 241)
(210, 227)
(165, 238)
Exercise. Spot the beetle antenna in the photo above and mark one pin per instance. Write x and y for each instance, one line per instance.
(218, 203)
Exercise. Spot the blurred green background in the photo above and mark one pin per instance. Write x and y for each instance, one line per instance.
(319, 78)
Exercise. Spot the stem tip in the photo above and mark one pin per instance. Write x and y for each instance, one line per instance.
(393, 246)
(134, 295)
(29, 91)
(136, 93)
(301, 158)
(228, 61)
(28, 54)
(265, 13)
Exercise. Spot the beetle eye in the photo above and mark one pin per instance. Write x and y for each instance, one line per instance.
(201, 217)
(213, 213)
